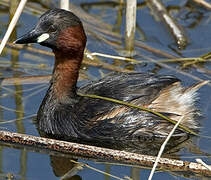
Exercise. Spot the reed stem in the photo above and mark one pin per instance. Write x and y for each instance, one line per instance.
(12, 24)
(64, 4)
(130, 25)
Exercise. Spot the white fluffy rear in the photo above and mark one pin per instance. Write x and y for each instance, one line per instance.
(179, 101)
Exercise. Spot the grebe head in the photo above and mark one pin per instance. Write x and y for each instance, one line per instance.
(63, 32)
(57, 29)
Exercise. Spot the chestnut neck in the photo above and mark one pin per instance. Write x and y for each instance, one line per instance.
(68, 58)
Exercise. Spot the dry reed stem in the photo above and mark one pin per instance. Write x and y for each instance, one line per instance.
(12, 24)
(203, 3)
(64, 4)
(175, 28)
(203, 163)
(161, 63)
(130, 25)
(100, 153)
(175, 70)
(162, 148)
(87, 58)
(191, 59)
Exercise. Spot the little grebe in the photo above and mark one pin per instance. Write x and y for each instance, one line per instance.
(66, 115)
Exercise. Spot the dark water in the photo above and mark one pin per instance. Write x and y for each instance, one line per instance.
(19, 103)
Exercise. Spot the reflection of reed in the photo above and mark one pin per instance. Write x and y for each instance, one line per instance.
(18, 88)
(18, 94)
(1, 147)
(118, 23)
(135, 173)
(107, 170)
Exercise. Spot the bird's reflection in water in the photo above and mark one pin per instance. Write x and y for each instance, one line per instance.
(64, 167)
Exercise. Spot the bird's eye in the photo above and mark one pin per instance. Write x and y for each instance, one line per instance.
(52, 28)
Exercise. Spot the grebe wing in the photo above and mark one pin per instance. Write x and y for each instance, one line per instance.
(110, 120)
(130, 86)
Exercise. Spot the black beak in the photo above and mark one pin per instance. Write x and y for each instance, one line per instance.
(30, 37)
